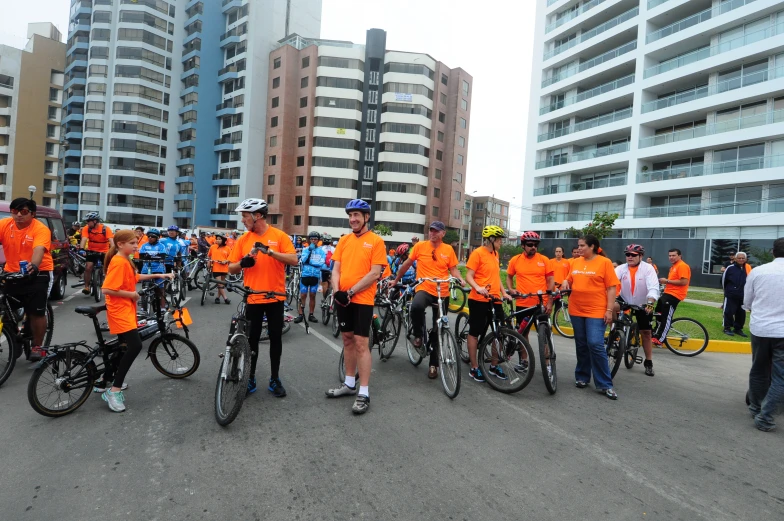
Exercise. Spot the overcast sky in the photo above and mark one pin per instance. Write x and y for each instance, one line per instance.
(488, 39)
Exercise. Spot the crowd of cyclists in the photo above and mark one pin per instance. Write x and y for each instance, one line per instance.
(352, 267)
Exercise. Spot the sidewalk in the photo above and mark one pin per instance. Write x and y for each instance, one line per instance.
(716, 305)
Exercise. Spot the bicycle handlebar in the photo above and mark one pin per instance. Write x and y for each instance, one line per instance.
(244, 290)
(556, 293)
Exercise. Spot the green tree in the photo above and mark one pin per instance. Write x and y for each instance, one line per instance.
(382, 230)
(451, 237)
(601, 226)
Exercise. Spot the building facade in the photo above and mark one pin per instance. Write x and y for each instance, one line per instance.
(486, 211)
(146, 144)
(667, 112)
(350, 121)
(31, 91)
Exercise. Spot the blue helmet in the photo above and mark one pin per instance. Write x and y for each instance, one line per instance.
(357, 205)
(173, 228)
(153, 232)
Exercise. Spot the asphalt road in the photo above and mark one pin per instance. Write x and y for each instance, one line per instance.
(678, 446)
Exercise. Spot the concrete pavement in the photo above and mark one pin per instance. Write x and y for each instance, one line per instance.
(678, 446)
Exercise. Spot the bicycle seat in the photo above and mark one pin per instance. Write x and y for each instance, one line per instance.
(90, 311)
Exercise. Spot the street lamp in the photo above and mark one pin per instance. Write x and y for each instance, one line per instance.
(32, 189)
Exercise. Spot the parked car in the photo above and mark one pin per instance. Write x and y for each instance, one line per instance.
(60, 244)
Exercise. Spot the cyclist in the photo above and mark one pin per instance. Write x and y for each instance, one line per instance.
(409, 275)
(414, 241)
(99, 238)
(677, 282)
(176, 248)
(26, 239)
(560, 267)
(232, 238)
(531, 272)
(264, 270)
(74, 233)
(649, 260)
(152, 255)
(484, 277)
(202, 243)
(326, 270)
(359, 261)
(312, 259)
(219, 255)
(140, 236)
(640, 287)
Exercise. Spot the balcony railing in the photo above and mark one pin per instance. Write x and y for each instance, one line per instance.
(673, 210)
(706, 52)
(580, 186)
(573, 14)
(709, 90)
(695, 19)
(229, 140)
(220, 211)
(721, 167)
(588, 123)
(606, 26)
(231, 68)
(231, 173)
(549, 2)
(585, 154)
(655, 3)
(729, 125)
(237, 31)
(231, 104)
(560, 217)
(593, 62)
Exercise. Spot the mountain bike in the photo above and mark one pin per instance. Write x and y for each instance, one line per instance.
(207, 285)
(326, 306)
(292, 284)
(76, 262)
(623, 341)
(561, 320)
(16, 336)
(686, 336)
(64, 379)
(232, 384)
(96, 291)
(458, 296)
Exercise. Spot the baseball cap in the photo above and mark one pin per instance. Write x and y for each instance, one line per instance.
(437, 225)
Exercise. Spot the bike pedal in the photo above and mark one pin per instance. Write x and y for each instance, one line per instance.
(638, 360)
(221, 355)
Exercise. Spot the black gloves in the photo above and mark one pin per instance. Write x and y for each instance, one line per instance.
(32, 270)
(341, 297)
(247, 262)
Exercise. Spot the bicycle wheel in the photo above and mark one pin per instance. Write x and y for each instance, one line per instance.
(686, 337)
(49, 325)
(174, 292)
(457, 299)
(461, 335)
(335, 325)
(450, 364)
(390, 331)
(505, 348)
(97, 283)
(204, 289)
(547, 358)
(7, 355)
(562, 322)
(235, 278)
(230, 391)
(414, 356)
(325, 312)
(616, 347)
(197, 276)
(286, 326)
(632, 346)
(292, 289)
(174, 355)
(58, 387)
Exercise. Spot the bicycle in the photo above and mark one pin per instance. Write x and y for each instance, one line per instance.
(76, 262)
(64, 379)
(326, 306)
(292, 284)
(232, 384)
(16, 335)
(686, 336)
(208, 287)
(457, 294)
(96, 291)
(624, 332)
(561, 319)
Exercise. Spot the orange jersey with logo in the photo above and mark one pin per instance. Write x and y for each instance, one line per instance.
(487, 272)
(589, 281)
(433, 263)
(679, 270)
(267, 274)
(18, 244)
(120, 311)
(560, 269)
(530, 276)
(98, 237)
(357, 255)
(216, 254)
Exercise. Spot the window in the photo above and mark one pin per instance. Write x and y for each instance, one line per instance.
(440, 136)
(435, 211)
(273, 160)
(305, 62)
(438, 173)
(303, 82)
(50, 149)
(461, 141)
(456, 214)
(301, 141)
(442, 98)
(303, 121)
(274, 219)
(371, 135)
(53, 94)
(52, 112)
(299, 180)
(276, 63)
(371, 116)
(297, 220)
(442, 117)
(297, 200)
(463, 104)
(271, 199)
(444, 78)
(303, 102)
(460, 159)
(436, 192)
(275, 102)
(463, 123)
(273, 141)
(439, 155)
(458, 195)
(274, 121)
(270, 180)
(276, 82)
(465, 88)
(301, 161)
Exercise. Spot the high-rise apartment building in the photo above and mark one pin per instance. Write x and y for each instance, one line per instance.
(165, 105)
(31, 91)
(348, 121)
(669, 112)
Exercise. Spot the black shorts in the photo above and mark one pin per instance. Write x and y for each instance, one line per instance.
(479, 316)
(326, 276)
(94, 256)
(355, 318)
(643, 319)
(31, 294)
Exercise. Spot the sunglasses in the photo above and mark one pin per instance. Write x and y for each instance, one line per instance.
(433, 254)
(532, 244)
(23, 211)
(632, 255)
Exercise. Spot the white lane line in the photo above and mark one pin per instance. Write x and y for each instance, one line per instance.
(324, 339)
(185, 301)
(71, 296)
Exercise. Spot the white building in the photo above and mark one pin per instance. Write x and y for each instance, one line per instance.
(669, 112)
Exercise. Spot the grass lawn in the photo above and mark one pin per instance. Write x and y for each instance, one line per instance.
(706, 296)
(710, 317)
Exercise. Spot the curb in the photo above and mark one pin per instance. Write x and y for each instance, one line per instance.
(714, 346)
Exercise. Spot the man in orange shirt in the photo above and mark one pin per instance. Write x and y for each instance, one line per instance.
(677, 288)
(99, 238)
(263, 254)
(139, 232)
(559, 266)
(359, 260)
(26, 239)
(434, 260)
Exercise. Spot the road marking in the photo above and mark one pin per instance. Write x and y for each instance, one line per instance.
(324, 339)
(71, 296)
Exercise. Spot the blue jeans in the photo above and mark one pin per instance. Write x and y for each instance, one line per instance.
(591, 352)
(766, 379)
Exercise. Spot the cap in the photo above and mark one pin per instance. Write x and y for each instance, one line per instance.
(437, 225)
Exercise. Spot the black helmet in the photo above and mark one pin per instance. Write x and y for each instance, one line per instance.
(314, 235)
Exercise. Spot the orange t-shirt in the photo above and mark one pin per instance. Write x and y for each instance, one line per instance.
(98, 237)
(267, 274)
(679, 270)
(357, 255)
(560, 269)
(230, 242)
(589, 281)
(387, 272)
(18, 244)
(446, 259)
(211, 239)
(531, 276)
(633, 275)
(219, 253)
(120, 311)
(143, 240)
(487, 272)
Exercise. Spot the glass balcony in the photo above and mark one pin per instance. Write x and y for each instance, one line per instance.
(584, 155)
(706, 52)
(231, 173)
(596, 91)
(589, 64)
(580, 186)
(606, 26)
(695, 19)
(557, 217)
(655, 3)
(673, 210)
(729, 125)
(573, 14)
(721, 167)
(588, 123)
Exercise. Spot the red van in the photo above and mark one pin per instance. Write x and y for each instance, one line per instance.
(60, 244)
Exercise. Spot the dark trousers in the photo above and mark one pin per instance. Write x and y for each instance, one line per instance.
(423, 300)
(666, 306)
(766, 379)
(734, 314)
(117, 369)
(255, 314)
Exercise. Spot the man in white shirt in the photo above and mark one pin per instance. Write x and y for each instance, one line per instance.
(639, 287)
(762, 295)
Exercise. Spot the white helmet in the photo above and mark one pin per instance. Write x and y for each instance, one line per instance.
(252, 206)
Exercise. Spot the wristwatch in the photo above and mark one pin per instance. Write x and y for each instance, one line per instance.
(350, 293)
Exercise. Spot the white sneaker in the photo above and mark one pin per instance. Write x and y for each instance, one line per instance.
(115, 400)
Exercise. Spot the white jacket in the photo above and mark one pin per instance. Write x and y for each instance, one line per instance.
(645, 278)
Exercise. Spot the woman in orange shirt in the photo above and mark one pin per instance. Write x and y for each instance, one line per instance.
(119, 287)
(219, 255)
(593, 283)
